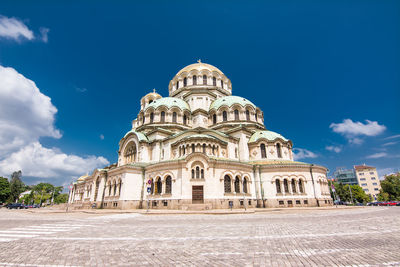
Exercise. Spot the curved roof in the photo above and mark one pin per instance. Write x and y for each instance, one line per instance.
(230, 101)
(169, 102)
(140, 136)
(199, 67)
(153, 94)
(82, 178)
(269, 135)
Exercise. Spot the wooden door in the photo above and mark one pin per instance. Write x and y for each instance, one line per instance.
(197, 194)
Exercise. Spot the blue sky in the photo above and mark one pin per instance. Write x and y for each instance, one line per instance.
(325, 74)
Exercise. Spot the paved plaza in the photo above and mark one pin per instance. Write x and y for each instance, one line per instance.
(368, 236)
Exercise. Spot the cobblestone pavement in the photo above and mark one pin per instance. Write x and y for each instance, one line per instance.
(344, 237)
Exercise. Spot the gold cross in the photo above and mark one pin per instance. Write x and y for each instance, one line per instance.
(154, 90)
(199, 61)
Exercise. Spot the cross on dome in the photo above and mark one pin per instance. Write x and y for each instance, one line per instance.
(199, 61)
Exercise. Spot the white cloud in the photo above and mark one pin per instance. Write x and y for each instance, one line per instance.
(44, 32)
(377, 155)
(389, 143)
(38, 161)
(12, 28)
(336, 149)
(26, 115)
(80, 89)
(301, 153)
(353, 130)
(392, 137)
(102, 136)
(386, 171)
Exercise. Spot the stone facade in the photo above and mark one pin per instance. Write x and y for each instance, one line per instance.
(202, 148)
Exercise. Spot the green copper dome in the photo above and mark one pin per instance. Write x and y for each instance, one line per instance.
(169, 102)
(230, 101)
(140, 136)
(269, 135)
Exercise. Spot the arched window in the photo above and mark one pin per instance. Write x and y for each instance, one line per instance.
(151, 117)
(115, 189)
(255, 116)
(185, 82)
(204, 148)
(205, 79)
(227, 184)
(293, 186)
(301, 186)
(224, 116)
(184, 150)
(177, 84)
(120, 186)
(162, 116)
(278, 186)
(245, 185)
(184, 119)
(247, 115)
(236, 115)
(168, 185)
(263, 151)
(214, 81)
(158, 186)
(286, 186)
(144, 118)
(195, 80)
(213, 150)
(237, 185)
(193, 174)
(193, 148)
(278, 150)
(109, 188)
(174, 117)
(214, 118)
(152, 186)
(197, 172)
(130, 153)
(222, 83)
(96, 191)
(202, 173)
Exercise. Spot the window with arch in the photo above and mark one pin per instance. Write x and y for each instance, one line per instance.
(184, 150)
(236, 115)
(215, 119)
(301, 186)
(286, 185)
(162, 116)
(115, 189)
(130, 153)
(237, 185)
(193, 175)
(278, 186)
(255, 116)
(204, 79)
(197, 172)
(174, 117)
(245, 185)
(247, 115)
(213, 150)
(144, 119)
(263, 151)
(204, 148)
(224, 116)
(120, 186)
(109, 188)
(293, 186)
(214, 81)
(193, 148)
(152, 186)
(202, 173)
(168, 185)
(184, 119)
(177, 84)
(184, 81)
(96, 191)
(222, 83)
(227, 184)
(151, 117)
(279, 150)
(158, 188)
(195, 80)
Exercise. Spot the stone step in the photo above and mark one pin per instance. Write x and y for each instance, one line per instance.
(196, 207)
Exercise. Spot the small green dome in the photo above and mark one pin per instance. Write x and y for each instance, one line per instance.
(269, 135)
(169, 102)
(140, 136)
(230, 101)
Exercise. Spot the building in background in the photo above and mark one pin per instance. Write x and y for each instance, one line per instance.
(368, 179)
(345, 176)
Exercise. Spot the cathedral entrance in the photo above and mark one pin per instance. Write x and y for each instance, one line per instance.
(197, 194)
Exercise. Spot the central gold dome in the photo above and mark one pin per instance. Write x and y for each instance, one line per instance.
(199, 67)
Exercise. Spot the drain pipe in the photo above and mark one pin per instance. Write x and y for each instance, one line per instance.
(261, 186)
(312, 179)
(142, 192)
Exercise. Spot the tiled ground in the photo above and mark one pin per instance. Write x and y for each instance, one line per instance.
(350, 237)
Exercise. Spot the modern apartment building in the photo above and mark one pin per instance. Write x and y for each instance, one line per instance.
(368, 179)
(345, 176)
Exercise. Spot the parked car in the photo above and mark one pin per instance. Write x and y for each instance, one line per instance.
(392, 203)
(398, 203)
(15, 206)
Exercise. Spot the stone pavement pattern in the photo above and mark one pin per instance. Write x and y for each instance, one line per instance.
(344, 237)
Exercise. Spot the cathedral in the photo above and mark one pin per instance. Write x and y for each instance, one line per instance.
(202, 148)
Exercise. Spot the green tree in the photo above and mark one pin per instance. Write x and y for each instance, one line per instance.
(358, 194)
(4, 189)
(16, 186)
(61, 198)
(390, 187)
